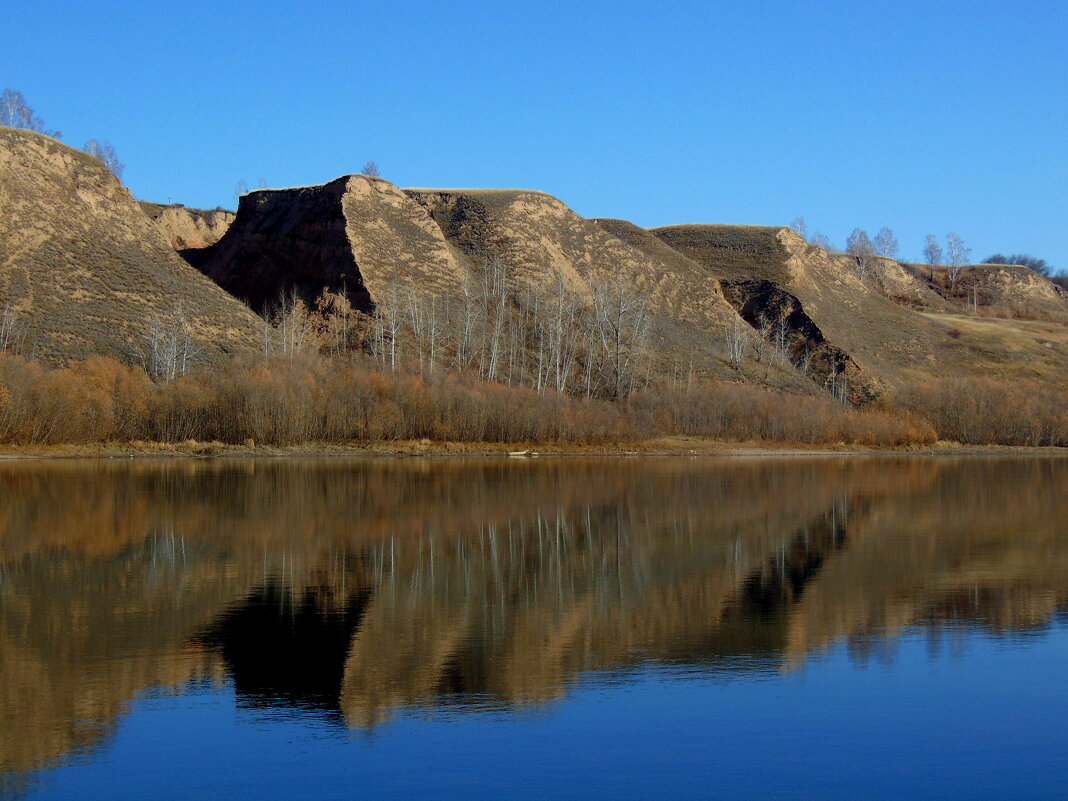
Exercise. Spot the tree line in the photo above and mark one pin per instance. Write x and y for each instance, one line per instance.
(586, 342)
(955, 256)
(15, 112)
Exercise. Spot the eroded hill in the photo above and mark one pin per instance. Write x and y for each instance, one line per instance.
(186, 228)
(370, 240)
(85, 272)
(848, 324)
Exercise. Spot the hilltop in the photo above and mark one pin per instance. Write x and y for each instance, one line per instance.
(868, 328)
(84, 272)
(377, 243)
(745, 302)
(508, 285)
(186, 228)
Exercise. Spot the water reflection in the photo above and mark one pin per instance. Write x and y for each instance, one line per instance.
(352, 590)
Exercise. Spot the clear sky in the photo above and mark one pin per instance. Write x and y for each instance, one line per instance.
(921, 116)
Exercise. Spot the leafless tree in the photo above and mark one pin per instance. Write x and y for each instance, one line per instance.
(392, 316)
(932, 251)
(885, 243)
(12, 331)
(15, 112)
(860, 247)
(494, 312)
(622, 321)
(780, 335)
(821, 241)
(561, 331)
(170, 348)
(838, 385)
(465, 320)
(958, 258)
(736, 335)
(337, 317)
(800, 228)
(289, 326)
(105, 153)
(370, 169)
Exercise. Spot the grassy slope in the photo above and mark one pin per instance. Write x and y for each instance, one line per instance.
(896, 343)
(85, 267)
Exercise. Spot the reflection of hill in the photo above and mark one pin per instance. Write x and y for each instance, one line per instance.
(987, 544)
(287, 649)
(80, 636)
(354, 588)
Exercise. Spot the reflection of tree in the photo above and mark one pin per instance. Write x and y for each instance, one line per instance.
(487, 583)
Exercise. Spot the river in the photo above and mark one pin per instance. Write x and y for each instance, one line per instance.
(854, 627)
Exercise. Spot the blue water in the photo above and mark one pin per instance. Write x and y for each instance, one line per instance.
(896, 657)
(988, 722)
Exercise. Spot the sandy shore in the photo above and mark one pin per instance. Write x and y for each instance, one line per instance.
(667, 446)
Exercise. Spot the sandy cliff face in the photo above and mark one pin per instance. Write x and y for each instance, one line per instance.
(355, 235)
(86, 271)
(1015, 290)
(370, 239)
(850, 325)
(189, 229)
(375, 242)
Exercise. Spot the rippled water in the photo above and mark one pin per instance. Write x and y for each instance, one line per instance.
(787, 628)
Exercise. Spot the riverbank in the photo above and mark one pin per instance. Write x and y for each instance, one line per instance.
(663, 446)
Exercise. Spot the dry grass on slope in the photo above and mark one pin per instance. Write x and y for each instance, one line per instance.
(887, 341)
(86, 271)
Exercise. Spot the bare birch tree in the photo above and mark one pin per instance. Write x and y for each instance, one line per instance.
(958, 259)
(289, 326)
(12, 331)
(860, 247)
(885, 243)
(932, 251)
(105, 153)
(736, 335)
(622, 320)
(170, 348)
(15, 112)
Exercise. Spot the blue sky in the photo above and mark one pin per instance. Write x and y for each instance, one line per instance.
(922, 116)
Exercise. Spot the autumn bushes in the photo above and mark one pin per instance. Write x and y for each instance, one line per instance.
(91, 401)
(289, 400)
(988, 411)
(736, 412)
(285, 401)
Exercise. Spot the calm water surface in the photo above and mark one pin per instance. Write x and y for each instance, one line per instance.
(766, 628)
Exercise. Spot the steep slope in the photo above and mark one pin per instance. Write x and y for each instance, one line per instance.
(86, 272)
(370, 239)
(187, 228)
(542, 241)
(1014, 290)
(847, 325)
(355, 234)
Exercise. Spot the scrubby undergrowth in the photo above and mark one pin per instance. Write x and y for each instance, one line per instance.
(317, 399)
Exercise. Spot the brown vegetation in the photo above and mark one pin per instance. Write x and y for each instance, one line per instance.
(285, 400)
(988, 411)
(291, 399)
(736, 412)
